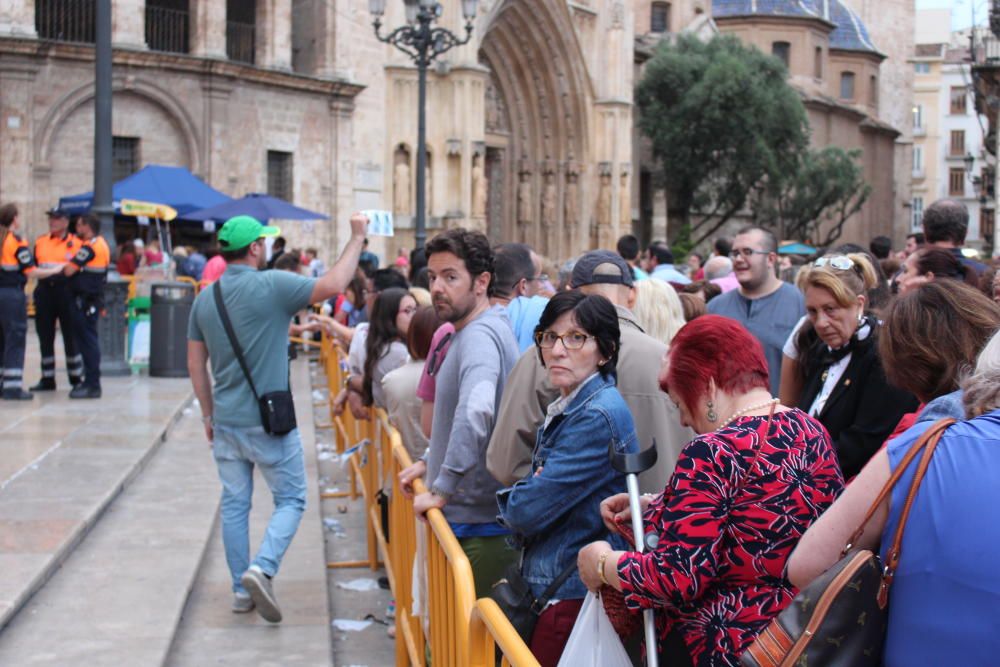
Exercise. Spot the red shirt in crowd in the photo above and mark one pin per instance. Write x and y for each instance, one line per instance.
(717, 574)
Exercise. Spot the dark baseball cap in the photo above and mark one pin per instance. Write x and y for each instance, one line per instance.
(601, 266)
(56, 213)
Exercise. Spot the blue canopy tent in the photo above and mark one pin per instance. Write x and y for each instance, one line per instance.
(174, 186)
(260, 206)
(796, 249)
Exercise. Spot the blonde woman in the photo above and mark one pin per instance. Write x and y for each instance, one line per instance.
(658, 309)
(843, 383)
(421, 296)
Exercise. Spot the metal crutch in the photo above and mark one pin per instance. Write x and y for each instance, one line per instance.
(632, 465)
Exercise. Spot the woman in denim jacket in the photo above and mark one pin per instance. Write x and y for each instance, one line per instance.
(556, 510)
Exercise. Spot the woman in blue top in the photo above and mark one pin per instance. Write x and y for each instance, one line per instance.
(946, 591)
(556, 510)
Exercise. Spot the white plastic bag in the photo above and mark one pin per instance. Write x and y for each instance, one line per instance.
(594, 642)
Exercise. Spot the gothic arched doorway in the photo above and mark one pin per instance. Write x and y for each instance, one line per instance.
(536, 127)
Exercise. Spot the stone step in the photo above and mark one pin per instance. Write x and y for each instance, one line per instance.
(118, 597)
(63, 462)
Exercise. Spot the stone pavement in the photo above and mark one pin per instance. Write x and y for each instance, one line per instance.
(109, 540)
(63, 462)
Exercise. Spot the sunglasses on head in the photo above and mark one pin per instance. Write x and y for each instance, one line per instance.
(840, 262)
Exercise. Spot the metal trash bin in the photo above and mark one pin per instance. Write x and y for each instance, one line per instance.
(169, 310)
(111, 329)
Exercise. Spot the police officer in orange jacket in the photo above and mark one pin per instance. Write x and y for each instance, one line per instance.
(53, 301)
(88, 271)
(16, 264)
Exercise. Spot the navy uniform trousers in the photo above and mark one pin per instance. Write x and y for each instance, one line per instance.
(13, 331)
(53, 301)
(86, 311)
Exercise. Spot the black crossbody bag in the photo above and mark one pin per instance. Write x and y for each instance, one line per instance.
(513, 595)
(277, 409)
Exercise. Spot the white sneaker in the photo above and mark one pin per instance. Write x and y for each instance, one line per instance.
(259, 587)
(242, 603)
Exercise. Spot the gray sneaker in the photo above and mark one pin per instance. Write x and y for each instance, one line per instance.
(242, 603)
(259, 587)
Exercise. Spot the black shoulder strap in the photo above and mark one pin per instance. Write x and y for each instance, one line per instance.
(228, 326)
(547, 594)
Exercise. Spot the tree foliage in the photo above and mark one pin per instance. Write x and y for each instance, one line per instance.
(827, 188)
(723, 123)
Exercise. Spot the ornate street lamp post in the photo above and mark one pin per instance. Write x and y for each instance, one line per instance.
(423, 42)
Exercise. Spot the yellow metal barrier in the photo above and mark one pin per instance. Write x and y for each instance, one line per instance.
(459, 630)
(191, 281)
(489, 629)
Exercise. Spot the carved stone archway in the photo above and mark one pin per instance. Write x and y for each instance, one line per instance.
(536, 119)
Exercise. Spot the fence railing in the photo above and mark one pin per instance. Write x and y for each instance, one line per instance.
(241, 41)
(489, 629)
(454, 628)
(167, 29)
(65, 20)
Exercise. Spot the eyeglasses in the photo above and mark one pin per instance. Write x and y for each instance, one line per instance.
(746, 253)
(840, 262)
(574, 340)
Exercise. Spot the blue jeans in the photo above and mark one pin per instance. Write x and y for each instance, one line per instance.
(236, 451)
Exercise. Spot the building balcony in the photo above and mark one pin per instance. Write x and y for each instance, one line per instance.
(167, 29)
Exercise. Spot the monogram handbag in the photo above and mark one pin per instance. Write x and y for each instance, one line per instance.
(840, 618)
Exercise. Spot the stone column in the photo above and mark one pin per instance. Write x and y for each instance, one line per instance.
(17, 185)
(274, 34)
(17, 18)
(216, 93)
(341, 169)
(128, 24)
(208, 28)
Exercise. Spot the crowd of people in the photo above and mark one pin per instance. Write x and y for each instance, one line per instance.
(780, 396)
(779, 410)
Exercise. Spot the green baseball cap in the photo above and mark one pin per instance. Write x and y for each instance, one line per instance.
(242, 230)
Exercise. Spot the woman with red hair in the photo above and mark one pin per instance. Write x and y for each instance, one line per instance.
(742, 494)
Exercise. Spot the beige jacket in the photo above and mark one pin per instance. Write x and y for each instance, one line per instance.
(528, 393)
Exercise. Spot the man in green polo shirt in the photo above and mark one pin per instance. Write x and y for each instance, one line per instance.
(260, 304)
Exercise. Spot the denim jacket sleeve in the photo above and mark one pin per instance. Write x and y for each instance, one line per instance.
(573, 462)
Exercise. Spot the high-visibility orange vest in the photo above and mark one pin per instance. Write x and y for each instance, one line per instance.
(93, 258)
(15, 261)
(51, 250)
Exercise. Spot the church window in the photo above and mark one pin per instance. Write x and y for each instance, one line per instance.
(65, 20)
(167, 25)
(782, 51)
(659, 17)
(847, 85)
(124, 157)
(241, 29)
(279, 175)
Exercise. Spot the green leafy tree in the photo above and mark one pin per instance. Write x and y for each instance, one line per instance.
(827, 188)
(724, 126)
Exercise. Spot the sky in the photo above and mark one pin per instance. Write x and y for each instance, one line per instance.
(961, 11)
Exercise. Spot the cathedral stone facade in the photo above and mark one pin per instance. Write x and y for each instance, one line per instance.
(529, 126)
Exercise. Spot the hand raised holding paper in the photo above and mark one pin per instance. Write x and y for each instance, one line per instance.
(359, 225)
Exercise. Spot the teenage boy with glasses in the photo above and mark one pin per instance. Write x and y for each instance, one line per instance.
(766, 306)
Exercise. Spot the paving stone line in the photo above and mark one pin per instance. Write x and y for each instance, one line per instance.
(20, 489)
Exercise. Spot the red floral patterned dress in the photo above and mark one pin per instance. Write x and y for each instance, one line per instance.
(717, 574)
